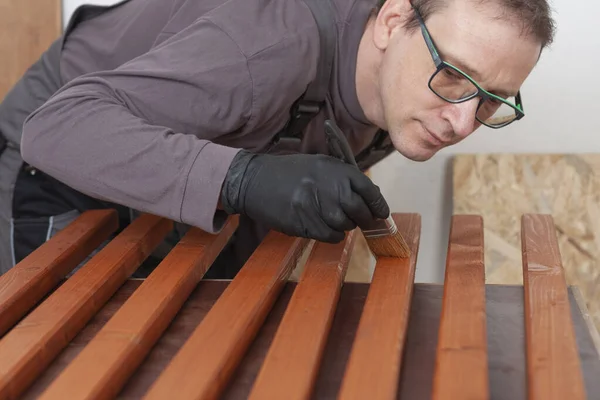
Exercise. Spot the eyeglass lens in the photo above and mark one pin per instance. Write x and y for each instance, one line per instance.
(454, 86)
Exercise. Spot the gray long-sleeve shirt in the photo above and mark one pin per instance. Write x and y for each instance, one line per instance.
(159, 95)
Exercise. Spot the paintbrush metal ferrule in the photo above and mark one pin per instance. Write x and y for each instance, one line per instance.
(379, 228)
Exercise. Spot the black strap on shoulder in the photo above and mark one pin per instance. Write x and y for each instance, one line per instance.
(311, 102)
(380, 147)
(323, 12)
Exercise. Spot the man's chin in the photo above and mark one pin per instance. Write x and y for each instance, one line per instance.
(413, 146)
(418, 157)
(416, 153)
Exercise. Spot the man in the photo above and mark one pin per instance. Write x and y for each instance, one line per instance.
(172, 106)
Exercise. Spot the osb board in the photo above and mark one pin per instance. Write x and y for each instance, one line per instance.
(27, 28)
(502, 187)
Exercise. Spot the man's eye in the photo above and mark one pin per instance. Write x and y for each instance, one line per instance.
(451, 73)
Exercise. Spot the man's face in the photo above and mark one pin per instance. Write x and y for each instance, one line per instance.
(471, 37)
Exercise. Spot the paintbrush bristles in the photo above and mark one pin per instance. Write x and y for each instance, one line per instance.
(388, 246)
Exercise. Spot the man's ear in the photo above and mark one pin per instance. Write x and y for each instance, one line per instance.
(389, 21)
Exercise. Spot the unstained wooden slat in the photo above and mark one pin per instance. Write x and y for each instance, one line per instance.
(461, 369)
(553, 365)
(373, 368)
(202, 367)
(38, 273)
(291, 365)
(32, 344)
(105, 364)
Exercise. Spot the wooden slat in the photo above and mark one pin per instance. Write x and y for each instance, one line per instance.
(373, 369)
(553, 365)
(103, 367)
(291, 365)
(32, 278)
(34, 342)
(461, 370)
(204, 364)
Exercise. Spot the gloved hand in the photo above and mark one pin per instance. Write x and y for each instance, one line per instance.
(304, 195)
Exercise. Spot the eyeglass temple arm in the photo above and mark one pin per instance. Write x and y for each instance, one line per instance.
(432, 50)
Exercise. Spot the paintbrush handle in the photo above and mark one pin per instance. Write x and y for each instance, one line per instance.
(339, 148)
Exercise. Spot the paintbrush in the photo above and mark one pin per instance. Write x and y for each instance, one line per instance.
(382, 235)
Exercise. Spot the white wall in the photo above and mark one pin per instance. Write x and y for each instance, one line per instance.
(561, 105)
(70, 5)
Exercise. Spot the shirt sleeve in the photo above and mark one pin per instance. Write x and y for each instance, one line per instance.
(143, 135)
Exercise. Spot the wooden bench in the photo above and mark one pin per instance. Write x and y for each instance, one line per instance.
(98, 333)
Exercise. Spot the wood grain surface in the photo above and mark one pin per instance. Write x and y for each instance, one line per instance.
(553, 365)
(103, 367)
(32, 278)
(230, 326)
(27, 28)
(32, 344)
(291, 366)
(373, 369)
(506, 333)
(461, 370)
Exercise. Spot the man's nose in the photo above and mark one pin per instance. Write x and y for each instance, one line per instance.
(462, 116)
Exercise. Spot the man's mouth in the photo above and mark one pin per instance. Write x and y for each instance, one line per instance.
(434, 139)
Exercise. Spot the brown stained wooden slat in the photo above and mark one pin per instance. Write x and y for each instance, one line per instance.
(291, 365)
(204, 364)
(32, 344)
(32, 278)
(506, 329)
(461, 370)
(553, 364)
(373, 369)
(103, 367)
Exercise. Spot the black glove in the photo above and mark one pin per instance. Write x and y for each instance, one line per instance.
(312, 196)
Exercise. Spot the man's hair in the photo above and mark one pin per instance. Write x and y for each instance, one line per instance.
(534, 15)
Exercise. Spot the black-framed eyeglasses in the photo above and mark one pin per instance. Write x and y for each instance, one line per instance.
(455, 86)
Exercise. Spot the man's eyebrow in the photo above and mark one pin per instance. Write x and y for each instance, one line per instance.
(464, 67)
(473, 73)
